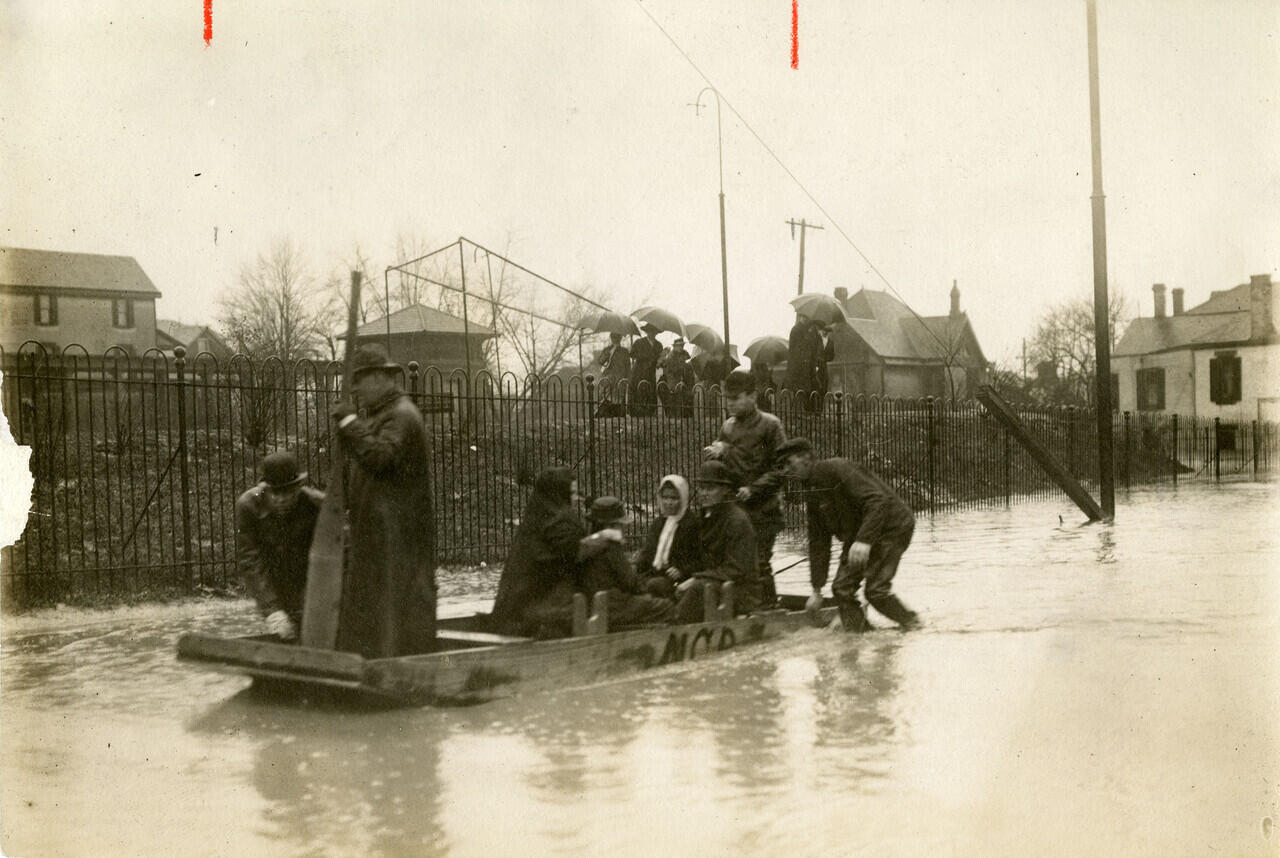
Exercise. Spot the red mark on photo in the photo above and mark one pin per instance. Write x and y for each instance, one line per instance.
(795, 33)
(208, 24)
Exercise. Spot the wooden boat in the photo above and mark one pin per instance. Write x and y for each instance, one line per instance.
(471, 666)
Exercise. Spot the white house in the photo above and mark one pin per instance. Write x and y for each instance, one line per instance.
(1218, 359)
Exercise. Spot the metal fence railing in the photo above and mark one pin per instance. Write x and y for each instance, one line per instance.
(138, 460)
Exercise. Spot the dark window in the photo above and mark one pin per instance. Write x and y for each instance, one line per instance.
(1151, 389)
(1224, 378)
(122, 313)
(46, 309)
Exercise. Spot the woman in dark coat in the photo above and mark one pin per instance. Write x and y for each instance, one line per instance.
(670, 550)
(543, 554)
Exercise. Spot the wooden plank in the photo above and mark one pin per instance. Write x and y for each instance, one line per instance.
(260, 653)
(323, 598)
(480, 638)
(999, 409)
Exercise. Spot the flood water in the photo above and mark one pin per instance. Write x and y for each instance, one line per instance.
(1078, 690)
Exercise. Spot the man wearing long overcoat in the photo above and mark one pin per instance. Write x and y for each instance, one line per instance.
(804, 350)
(645, 353)
(389, 592)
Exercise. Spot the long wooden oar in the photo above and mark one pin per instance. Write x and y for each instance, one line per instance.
(325, 562)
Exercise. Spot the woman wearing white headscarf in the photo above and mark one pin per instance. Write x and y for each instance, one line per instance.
(671, 548)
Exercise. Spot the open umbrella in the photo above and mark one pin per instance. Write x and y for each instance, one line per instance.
(607, 321)
(769, 349)
(819, 307)
(704, 337)
(663, 320)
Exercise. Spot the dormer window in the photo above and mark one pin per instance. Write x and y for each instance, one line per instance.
(122, 313)
(46, 310)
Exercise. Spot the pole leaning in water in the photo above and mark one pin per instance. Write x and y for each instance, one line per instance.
(325, 561)
(1101, 321)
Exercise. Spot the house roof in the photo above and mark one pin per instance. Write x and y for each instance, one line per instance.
(1224, 301)
(417, 318)
(1186, 330)
(185, 335)
(892, 330)
(56, 269)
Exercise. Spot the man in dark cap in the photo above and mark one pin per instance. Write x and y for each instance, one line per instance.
(603, 566)
(644, 371)
(389, 592)
(847, 501)
(274, 523)
(748, 444)
(678, 380)
(728, 547)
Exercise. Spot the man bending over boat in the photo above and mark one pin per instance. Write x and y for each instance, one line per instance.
(274, 523)
(389, 595)
(728, 547)
(846, 500)
(748, 444)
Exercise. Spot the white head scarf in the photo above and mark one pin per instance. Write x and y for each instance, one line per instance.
(662, 556)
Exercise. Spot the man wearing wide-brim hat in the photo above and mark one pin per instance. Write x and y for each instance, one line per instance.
(728, 547)
(389, 592)
(275, 520)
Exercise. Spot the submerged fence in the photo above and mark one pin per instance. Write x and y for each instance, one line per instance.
(138, 460)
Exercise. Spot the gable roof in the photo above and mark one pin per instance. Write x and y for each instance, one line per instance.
(56, 269)
(1224, 301)
(415, 319)
(892, 330)
(1186, 330)
(186, 335)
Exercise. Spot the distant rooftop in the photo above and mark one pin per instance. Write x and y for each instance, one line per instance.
(417, 318)
(56, 269)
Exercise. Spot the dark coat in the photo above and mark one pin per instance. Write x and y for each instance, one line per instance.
(543, 554)
(826, 354)
(272, 550)
(615, 362)
(752, 455)
(729, 552)
(644, 362)
(686, 547)
(847, 501)
(389, 595)
(603, 567)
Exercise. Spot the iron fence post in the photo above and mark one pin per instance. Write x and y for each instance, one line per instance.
(1217, 448)
(839, 423)
(591, 434)
(1008, 473)
(1174, 428)
(1254, 437)
(933, 440)
(180, 363)
(1126, 449)
(1071, 440)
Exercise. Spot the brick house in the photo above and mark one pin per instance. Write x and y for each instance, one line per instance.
(1217, 359)
(58, 298)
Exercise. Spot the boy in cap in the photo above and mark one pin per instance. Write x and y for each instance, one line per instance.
(748, 444)
(274, 523)
(389, 592)
(848, 501)
(728, 547)
(603, 566)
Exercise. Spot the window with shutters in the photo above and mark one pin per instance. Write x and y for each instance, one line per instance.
(46, 310)
(122, 313)
(1151, 389)
(1224, 378)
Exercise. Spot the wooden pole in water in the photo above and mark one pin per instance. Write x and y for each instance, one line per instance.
(1101, 322)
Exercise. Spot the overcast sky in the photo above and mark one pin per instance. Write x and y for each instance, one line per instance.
(949, 139)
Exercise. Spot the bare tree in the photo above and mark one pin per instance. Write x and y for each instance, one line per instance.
(1062, 349)
(274, 309)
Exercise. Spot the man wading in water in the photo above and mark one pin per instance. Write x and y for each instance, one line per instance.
(875, 525)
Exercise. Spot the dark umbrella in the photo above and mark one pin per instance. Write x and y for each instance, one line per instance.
(704, 337)
(769, 349)
(819, 307)
(607, 321)
(663, 320)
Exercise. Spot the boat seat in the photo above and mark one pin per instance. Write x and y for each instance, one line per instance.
(478, 638)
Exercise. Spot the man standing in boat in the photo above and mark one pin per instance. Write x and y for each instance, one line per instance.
(274, 523)
(389, 591)
(846, 500)
(748, 444)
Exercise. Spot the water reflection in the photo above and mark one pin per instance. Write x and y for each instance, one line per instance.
(855, 695)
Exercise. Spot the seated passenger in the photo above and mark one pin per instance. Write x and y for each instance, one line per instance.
(274, 523)
(603, 567)
(728, 547)
(670, 550)
(542, 555)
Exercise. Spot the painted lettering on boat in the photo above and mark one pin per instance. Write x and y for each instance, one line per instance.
(682, 645)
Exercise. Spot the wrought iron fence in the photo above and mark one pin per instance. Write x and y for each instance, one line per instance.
(138, 460)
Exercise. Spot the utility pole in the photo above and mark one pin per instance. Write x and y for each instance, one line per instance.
(1101, 322)
(804, 225)
(724, 254)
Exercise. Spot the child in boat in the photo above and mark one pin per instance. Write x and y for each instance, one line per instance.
(603, 567)
(670, 550)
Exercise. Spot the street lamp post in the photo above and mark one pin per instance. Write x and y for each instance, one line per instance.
(724, 256)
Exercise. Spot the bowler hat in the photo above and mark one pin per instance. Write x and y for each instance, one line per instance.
(372, 356)
(280, 470)
(717, 472)
(794, 447)
(607, 510)
(739, 381)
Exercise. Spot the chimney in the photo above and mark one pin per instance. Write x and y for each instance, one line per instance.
(842, 295)
(1157, 291)
(1262, 322)
(1177, 300)
(955, 299)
